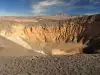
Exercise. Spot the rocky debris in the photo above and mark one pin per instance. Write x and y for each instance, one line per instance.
(51, 65)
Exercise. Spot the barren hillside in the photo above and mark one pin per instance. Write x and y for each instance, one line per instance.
(48, 36)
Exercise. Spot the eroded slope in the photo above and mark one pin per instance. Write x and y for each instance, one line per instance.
(47, 34)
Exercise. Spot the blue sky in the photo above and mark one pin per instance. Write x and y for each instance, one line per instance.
(45, 7)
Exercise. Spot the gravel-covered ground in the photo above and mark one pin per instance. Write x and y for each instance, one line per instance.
(50, 65)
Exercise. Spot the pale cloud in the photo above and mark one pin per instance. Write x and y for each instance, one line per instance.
(91, 13)
(49, 3)
(43, 5)
(94, 1)
(69, 5)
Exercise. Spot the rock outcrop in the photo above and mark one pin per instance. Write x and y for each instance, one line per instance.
(79, 29)
(75, 30)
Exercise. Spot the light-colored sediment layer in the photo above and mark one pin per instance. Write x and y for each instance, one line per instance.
(67, 49)
(19, 41)
(15, 47)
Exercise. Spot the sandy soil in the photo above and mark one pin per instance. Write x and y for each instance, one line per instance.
(63, 48)
(10, 48)
(51, 65)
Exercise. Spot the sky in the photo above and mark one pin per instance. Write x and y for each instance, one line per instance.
(47, 7)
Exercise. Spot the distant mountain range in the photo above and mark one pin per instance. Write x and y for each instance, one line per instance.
(58, 16)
